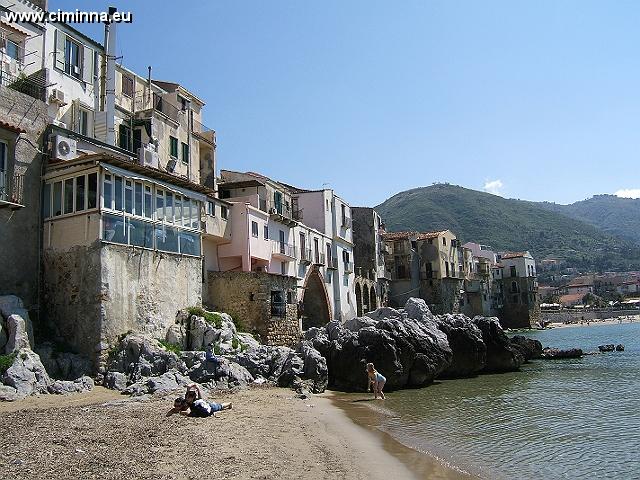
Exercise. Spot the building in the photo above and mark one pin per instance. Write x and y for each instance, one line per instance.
(426, 265)
(480, 270)
(297, 242)
(371, 284)
(518, 287)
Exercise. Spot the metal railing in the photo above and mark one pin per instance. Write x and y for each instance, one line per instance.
(319, 259)
(282, 209)
(306, 256)
(22, 84)
(144, 102)
(348, 267)
(281, 248)
(332, 264)
(203, 130)
(12, 187)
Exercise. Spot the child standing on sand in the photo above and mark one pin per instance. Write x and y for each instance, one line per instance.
(376, 379)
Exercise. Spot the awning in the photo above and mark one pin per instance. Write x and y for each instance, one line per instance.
(137, 176)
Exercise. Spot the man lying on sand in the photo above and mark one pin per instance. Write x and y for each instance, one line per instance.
(193, 405)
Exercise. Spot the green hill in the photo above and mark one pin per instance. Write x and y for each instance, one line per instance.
(508, 224)
(614, 215)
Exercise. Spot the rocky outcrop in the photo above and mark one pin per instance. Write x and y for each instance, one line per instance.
(27, 376)
(62, 364)
(467, 345)
(607, 348)
(528, 347)
(502, 356)
(619, 348)
(556, 353)
(405, 345)
(18, 334)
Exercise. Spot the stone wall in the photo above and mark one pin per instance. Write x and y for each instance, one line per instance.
(20, 228)
(94, 294)
(246, 296)
(520, 309)
(577, 316)
(364, 250)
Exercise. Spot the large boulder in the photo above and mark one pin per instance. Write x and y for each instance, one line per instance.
(409, 350)
(12, 305)
(63, 365)
(18, 336)
(528, 347)
(160, 384)
(501, 355)
(356, 323)
(559, 354)
(467, 345)
(27, 375)
(82, 384)
(315, 367)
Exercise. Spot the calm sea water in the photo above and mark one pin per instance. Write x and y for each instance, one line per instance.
(553, 420)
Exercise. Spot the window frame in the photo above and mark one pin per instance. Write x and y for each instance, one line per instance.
(64, 180)
(173, 147)
(185, 152)
(254, 229)
(129, 81)
(68, 61)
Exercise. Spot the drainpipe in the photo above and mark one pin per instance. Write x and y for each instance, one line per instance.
(110, 76)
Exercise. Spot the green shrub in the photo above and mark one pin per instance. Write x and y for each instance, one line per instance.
(211, 318)
(240, 326)
(6, 361)
(235, 343)
(197, 311)
(170, 347)
(216, 349)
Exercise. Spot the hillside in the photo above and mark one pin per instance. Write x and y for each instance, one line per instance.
(508, 224)
(614, 215)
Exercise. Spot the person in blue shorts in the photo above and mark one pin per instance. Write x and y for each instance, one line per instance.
(376, 380)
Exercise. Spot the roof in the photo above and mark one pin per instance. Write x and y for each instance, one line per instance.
(407, 234)
(428, 235)
(242, 184)
(13, 128)
(571, 299)
(508, 255)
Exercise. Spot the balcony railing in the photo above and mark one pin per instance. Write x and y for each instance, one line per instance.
(282, 210)
(203, 131)
(155, 102)
(11, 188)
(32, 85)
(306, 256)
(283, 249)
(348, 267)
(332, 264)
(346, 222)
(319, 259)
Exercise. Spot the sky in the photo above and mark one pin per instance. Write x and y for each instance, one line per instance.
(531, 100)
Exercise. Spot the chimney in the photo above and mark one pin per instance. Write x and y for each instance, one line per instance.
(110, 77)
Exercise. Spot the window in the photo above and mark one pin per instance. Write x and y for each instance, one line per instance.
(137, 195)
(185, 153)
(345, 256)
(13, 50)
(444, 241)
(128, 196)
(4, 153)
(316, 250)
(266, 232)
(46, 210)
(184, 103)
(329, 254)
(80, 193)
(512, 269)
(124, 137)
(283, 268)
(224, 212)
(254, 229)
(83, 122)
(68, 195)
(128, 87)
(168, 208)
(72, 58)
(118, 193)
(303, 243)
(414, 244)
(173, 147)
(211, 209)
(446, 266)
(148, 202)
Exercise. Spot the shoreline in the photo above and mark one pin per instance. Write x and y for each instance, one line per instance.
(269, 434)
(596, 321)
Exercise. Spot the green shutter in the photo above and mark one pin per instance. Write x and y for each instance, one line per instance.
(59, 60)
(87, 65)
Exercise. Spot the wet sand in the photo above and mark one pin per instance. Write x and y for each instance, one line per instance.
(269, 434)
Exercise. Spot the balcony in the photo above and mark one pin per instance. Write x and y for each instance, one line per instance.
(319, 259)
(332, 264)
(306, 257)
(34, 85)
(282, 250)
(11, 190)
(348, 267)
(346, 222)
(282, 212)
(204, 132)
(144, 103)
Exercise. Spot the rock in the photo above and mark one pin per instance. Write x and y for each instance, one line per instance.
(409, 352)
(3, 336)
(607, 348)
(555, 353)
(501, 355)
(27, 374)
(82, 384)
(467, 345)
(232, 375)
(250, 343)
(315, 367)
(115, 381)
(292, 370)
(8, 394)
(63, 365)
(357, 323)
(12, 305)
(620, 348)
(417, 309)
(161, 384)
(197, 328)
(18, 337)
(528, 347)
(175, 335)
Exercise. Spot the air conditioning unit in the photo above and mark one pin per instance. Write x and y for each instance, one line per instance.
(60, 124)
(148, 157)
(57, 96)
(64, 148)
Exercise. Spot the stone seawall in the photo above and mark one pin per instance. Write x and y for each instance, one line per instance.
(565, 316)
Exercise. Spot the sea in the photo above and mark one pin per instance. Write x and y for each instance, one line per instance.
(554, 419)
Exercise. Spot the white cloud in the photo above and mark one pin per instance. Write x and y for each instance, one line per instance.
(628, 193)
(493, 186)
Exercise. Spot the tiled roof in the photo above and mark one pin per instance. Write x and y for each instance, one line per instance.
(8, 126)
(398, 235)
(428, 235)
(514, 255)
(572, 298)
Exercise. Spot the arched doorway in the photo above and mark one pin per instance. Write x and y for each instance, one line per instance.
(372, 299)
(358, 300)
(365, 299)
(315, 303)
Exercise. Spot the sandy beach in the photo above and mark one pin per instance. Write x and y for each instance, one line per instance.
(605, 321)
(268, 434)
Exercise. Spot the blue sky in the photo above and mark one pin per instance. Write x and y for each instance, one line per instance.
(532, 100)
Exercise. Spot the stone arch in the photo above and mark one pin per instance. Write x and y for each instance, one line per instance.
(365, 299)
(358, 300)
(373, 299)
(315, 302)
